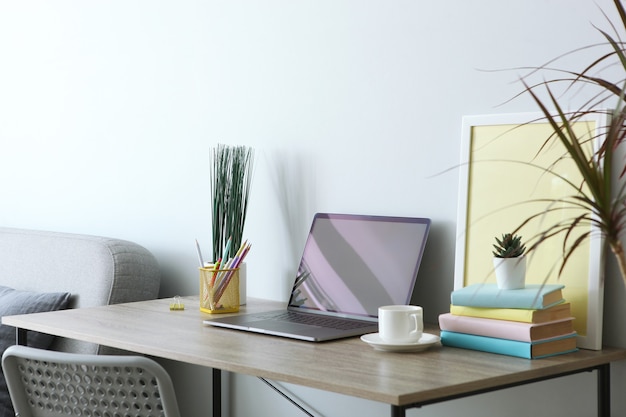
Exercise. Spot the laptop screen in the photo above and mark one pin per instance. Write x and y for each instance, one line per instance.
(353, 264)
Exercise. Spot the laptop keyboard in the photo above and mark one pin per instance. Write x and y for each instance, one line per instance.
(317, 320)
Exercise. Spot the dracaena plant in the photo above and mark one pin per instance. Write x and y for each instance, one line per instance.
(231, 176)
(602, 192)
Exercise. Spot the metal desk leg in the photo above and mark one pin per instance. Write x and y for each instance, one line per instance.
(604, 390)
(20, 336)
(603, 373)
(398, 411)
(217, 392)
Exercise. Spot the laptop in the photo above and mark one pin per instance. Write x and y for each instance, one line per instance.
(351, 265)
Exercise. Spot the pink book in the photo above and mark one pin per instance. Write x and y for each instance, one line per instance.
(504, 329)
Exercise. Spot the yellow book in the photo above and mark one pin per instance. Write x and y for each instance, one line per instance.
(559, 311)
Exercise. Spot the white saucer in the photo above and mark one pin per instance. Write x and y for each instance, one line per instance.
(426, 341)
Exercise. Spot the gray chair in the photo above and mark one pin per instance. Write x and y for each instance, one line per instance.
(45, 383)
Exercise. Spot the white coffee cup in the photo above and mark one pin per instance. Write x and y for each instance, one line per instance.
(400, 323)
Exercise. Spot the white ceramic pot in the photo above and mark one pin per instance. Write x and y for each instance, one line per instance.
(510, 272)
(243, 278)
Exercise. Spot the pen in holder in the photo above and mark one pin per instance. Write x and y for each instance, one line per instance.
(219, 290)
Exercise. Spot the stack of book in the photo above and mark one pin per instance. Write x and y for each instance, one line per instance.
(533, 322)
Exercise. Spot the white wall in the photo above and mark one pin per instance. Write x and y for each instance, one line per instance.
(108, 110)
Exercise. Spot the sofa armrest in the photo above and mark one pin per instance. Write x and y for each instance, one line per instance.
(95, 270)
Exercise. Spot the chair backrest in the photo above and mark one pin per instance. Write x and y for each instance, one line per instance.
(46, 383)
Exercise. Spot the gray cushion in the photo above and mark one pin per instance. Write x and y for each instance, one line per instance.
(22, 302)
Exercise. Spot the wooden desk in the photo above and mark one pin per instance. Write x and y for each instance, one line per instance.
(349, 366)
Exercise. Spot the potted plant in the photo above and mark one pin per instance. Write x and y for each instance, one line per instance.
(603, 191)
(509, 262)
(231, 177)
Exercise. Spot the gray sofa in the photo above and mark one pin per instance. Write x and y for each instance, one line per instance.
(94, 270)
(43, 271)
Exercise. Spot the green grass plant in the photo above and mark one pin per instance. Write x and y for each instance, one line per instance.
(231, 177)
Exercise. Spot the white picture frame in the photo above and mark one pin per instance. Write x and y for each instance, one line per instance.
(482, 211)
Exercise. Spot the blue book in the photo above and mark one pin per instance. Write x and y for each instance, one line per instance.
(533, 296)
(529, 350)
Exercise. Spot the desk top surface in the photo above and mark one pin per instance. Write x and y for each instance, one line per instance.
(347, 366)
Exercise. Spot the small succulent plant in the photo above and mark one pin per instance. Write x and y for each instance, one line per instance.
(509, 246)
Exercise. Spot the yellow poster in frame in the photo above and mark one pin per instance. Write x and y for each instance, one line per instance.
(503, 181)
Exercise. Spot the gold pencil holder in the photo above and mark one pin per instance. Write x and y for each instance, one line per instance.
(219, 290)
